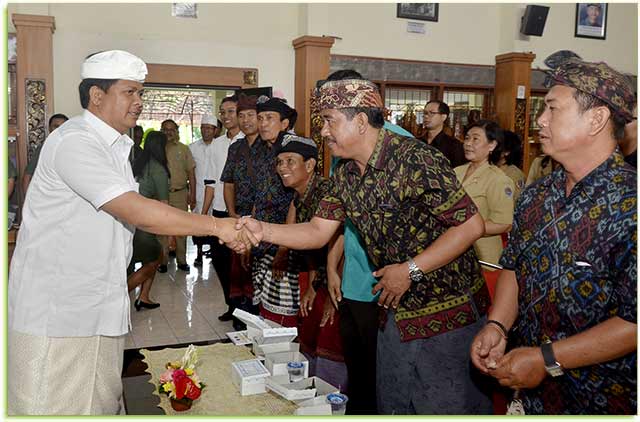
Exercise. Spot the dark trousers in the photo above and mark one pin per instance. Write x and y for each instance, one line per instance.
(359, 332)
(221, 260)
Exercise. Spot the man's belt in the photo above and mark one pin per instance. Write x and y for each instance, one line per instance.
(177, 190)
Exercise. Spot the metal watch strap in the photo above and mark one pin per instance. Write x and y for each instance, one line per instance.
(415, 273)
(550, 363)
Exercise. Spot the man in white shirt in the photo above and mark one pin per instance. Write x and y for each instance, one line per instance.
(208, 127)
(214, 191)
(68, 301)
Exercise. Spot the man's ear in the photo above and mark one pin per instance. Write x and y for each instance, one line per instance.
(310, 165)
(599, 116)
(362, 120)
(284, 125)
(95, 96)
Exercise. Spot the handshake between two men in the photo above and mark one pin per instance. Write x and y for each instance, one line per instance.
(240, 234)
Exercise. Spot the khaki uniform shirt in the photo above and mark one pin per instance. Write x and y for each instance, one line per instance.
(492, 192)
(517, 176)
(537, 171)
(180, 162)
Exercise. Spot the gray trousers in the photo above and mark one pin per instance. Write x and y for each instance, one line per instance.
(432, 376)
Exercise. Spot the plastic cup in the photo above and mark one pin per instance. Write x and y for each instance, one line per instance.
(338, 402)
(296, 371)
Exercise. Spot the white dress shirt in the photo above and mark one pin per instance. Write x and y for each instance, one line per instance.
(68, 272)
(216, 159)
(199, 150)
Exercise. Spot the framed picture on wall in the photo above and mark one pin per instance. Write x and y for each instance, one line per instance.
(420, 11)
(591, 20)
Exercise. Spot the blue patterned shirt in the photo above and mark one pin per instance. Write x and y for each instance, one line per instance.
(575, 263)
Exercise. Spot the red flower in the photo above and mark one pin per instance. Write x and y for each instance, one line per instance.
(180, 380)
(192, 392)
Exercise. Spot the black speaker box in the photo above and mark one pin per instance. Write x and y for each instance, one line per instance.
(533, 20)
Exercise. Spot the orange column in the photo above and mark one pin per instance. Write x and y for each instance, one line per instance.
(313, 57)
(34, 83)
(513, 72)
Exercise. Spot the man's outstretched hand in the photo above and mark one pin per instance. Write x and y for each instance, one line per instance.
(234, 238)
(249, 234)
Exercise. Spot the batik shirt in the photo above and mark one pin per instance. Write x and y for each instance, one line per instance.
(306, 206)
(236, 171)
(407, 197)
(272, 198)
(575, 262)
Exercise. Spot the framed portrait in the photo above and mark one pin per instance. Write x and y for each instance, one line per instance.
(419, 11)
(591, 20)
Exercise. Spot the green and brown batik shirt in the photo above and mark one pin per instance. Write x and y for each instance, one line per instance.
(407, 197)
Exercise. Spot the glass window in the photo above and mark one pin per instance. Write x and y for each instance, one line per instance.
(460, 103)
(399, 101)
(536, 107)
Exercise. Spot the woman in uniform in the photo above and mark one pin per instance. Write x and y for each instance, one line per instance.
(491, 191)
(151, 172)
(511, 162)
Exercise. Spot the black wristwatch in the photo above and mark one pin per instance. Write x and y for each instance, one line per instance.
(550, 363)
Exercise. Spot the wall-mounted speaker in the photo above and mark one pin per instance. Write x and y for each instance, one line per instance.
(533, 20)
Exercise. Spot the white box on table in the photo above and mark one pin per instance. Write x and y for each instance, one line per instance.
(276, 363)
(249, 376)
(315, 406)
(267, 336)
(305, 389)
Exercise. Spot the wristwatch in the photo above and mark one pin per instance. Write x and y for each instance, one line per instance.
(550, 363)
(415, 273)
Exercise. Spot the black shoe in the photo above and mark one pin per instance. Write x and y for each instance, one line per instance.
(227, 316)
(140, 304)
(162, 268)
(172, 254)
(197, 262)
(184, 267)
(239, 325)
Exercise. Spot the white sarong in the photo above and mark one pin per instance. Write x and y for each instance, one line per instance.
(64, 375)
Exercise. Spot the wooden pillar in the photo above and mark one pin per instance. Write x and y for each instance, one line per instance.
(313, 58)
(513, 72)
(34, 85)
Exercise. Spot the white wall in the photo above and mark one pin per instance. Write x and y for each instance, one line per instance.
(476, 33)
(260, 36)
(216, 38)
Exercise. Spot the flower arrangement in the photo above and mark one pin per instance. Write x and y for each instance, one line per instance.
(180, 381)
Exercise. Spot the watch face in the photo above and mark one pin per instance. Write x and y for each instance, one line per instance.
(416, 275)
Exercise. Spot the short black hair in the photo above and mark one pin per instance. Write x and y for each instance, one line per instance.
(443, 108)
(57, 116)
(493, 132)
(374, 114)
(232, 98)
(587, 101)
(343, 74)
(86, 84)
(513, 145)
(170, 121)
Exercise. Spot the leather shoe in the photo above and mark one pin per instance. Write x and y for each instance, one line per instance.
(197, 262)
(239, 325)
(162, 269)
(140, 304)
(227, 316)
(184, 267)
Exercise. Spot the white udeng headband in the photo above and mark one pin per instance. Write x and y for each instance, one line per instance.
(114, 64)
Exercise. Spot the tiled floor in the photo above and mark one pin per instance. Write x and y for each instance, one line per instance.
(189, 308)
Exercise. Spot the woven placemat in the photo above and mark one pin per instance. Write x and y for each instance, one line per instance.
(221, 396)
